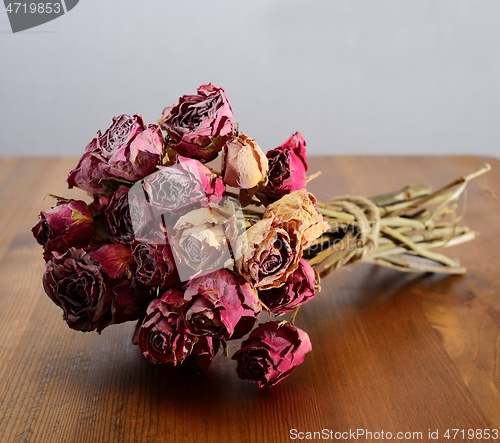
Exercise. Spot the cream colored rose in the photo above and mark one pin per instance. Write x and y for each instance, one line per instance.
(268, 254)
(244, 164)
(202, 237)
(298, 210)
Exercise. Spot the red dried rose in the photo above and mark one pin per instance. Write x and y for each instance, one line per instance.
(161, 335)
(95, 289)
(222, 305)
(287, 168)
(128, 150)
(155, 265)
(198, 125)
(180, 188)
(69, 223)
(299, 288)
(271, 353)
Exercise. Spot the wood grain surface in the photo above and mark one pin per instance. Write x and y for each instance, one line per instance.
(391, 352)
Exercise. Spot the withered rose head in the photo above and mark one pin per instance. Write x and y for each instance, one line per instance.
(298, 211)
(161, 335)
(69, 223)
(198, 125)
(117, 216)
(200, 238)
(271, 353)
(94, 288)
(127, 298)
(128, 150)
(300, 288)
(155, 265)
(287, 168)
(244, 164)
(269, 253)
(183, 186)
(203, 352)
(222, 305)
(75, 283)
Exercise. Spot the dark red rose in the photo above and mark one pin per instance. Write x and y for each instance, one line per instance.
(271, 353)
(69, 223)
(161, 335)
(179, 188)
(299, 288)
(155, 265)
(117, 216)
(203, 352)
(95, 288)
(221, 305)
(128, 297)
(128, 150)
(75, 283)
(287, 168)
(199, 125)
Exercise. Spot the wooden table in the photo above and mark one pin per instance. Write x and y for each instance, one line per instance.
(392, 352)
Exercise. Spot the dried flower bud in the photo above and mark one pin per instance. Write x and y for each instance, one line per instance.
(244, 164)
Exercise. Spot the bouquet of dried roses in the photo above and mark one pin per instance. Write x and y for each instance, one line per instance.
(195, 255)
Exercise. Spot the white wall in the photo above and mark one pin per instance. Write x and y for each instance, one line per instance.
(354, 76)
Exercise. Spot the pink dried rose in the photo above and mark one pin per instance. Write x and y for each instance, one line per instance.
(300, 288)
(155, 265)
(287, 168)
(69, 223)
(222, 305)
(182, 187)
(198, 125)
(95, 288)
(128, 150)
(244, 164)
(271, 353)
(161, 335)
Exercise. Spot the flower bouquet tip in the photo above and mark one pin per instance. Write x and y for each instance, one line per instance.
(194, 256)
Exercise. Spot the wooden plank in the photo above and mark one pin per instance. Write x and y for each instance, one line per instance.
(391, 352)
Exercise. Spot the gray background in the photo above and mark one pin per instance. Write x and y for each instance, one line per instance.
(354, 76)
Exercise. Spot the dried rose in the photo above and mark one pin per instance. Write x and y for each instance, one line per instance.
(155, 265)
(74, 282)
(298, 290)
(244, 164)
(181, 187)
(198, 125)
(200, 239)
(221, 305)
(69, 223)
(161, 335)
(94, 289)
(298, 211)
(287, 168)
(128, 297)
(203, 352)
(269, 253)
(271, 353)
(117, 216)
(128, 150)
